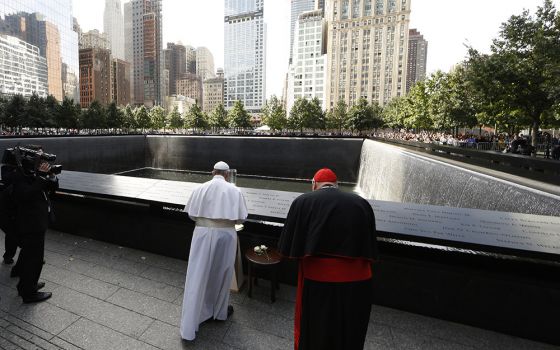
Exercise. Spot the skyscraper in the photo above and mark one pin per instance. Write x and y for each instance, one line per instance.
(94, 39)
(47, 24)
(176, 63)
(298, 7)
(113, 26)
(128, 49)
(191, 59)
(24, 70)
(244, 54)
(190, 85)
(367, 50)
(95, 76)
(204, 63)
(213, 92)
(307, 77)
(417, 58)
(147, 51)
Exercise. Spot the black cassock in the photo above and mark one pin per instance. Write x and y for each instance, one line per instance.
(332, 233)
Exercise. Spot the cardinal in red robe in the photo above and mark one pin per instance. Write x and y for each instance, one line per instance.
(332, 234)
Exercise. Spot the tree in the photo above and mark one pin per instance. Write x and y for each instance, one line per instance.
(364, 116)
(158, 118)
(219, 117)
(314, 118)
(395, 113)
(521, 76)
(94, 117)
(15, 112)
(338, 117)
(35, 112)
(129, 118)
(196, 119)
(297, 114)
(238, 116)
(115, 117)
(142, 117)
(175, 119)
(274, 114)
(418, 116)
(66, 114)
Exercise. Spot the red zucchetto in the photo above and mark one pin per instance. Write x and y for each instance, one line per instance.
(324, 175)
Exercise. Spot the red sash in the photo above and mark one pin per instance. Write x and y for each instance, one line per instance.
(327, 270)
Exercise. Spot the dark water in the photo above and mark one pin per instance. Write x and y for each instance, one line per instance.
(242, 181)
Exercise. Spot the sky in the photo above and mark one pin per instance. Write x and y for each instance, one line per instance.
(447, 25)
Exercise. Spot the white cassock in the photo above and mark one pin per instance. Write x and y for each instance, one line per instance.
(216, 206)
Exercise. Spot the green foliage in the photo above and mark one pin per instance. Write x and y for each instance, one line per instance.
(143, 120)
(67, 113)
(238, 116)
(196, 119)
(94, 117)
(175, 119)
(338, 118)
(274, 114)
(219, 117)
(115, 117)
(363, 116)
(520, 78)
(129, 118)
(158, 117)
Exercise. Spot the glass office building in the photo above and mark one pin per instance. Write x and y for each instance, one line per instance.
(47, 24)
(23, 71)
(244, 54)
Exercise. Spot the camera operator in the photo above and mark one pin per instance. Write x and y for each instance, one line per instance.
(32, 187)
(7, 212)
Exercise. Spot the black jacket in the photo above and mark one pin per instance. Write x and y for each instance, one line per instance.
(329, 222)
(33, 208)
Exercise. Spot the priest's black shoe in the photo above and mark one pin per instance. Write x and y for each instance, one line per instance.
(36, 297)
(40, 285)
(229, 311)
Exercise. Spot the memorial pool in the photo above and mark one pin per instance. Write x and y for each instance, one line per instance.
(248, 181)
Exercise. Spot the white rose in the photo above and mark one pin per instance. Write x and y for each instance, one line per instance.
(257, 249)
(263, 247)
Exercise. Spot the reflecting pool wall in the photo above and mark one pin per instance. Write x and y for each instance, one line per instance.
(394, 174)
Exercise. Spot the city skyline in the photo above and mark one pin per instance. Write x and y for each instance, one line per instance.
(447, 35)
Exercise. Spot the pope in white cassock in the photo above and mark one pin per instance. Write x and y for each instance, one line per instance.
(216, 206)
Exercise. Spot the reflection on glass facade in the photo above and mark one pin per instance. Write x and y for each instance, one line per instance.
(47, 24)
(24, 71)
(244, 54)
(298, 7)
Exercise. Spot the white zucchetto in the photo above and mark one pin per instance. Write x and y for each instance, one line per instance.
(221, 166)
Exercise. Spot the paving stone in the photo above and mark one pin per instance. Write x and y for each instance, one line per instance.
(249, 338)
(44, 316)
(32, 338)
(263, 321)
(102, 312)
(146, 305)
(168, 337)
(63, 344)
(165, 276)
(79, 282)
(136, 283)
(29, 327)
(280, 307)
(89, 335)
(17, 340)
(8, 345)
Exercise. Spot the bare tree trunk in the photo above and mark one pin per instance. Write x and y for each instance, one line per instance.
(534, 140)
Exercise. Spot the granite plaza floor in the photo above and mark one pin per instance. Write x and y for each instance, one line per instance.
(110, 297)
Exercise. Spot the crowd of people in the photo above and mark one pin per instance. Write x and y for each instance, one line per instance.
(548, 145)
